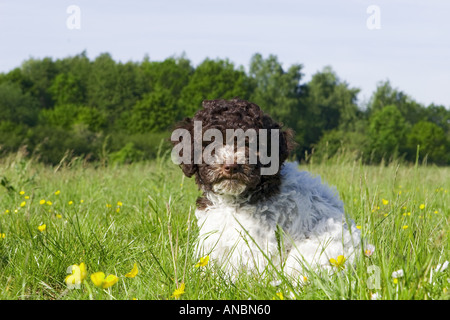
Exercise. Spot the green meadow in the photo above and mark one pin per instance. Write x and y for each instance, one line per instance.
(111, 218)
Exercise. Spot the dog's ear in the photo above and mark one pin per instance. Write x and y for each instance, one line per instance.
(188, 168)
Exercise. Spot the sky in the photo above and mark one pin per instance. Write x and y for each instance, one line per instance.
(405, 42)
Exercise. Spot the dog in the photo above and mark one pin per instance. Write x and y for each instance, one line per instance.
(252, 222)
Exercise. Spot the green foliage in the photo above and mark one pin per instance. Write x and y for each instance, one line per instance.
(213, 79)
(329, 104)
(431, 141)
(387, 133)
(66, 89)
(17, 106)
(127, 154)
(276, 91)
(155, 112)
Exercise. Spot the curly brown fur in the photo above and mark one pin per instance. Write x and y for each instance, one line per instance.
(236, 114)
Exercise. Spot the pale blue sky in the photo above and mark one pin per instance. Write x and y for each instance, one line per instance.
(412, 48)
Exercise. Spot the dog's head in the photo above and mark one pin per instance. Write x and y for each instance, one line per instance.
(232, 145)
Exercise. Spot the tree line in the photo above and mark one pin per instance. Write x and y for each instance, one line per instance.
(122, 112)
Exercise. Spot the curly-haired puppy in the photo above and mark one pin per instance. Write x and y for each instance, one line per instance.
(249, 220)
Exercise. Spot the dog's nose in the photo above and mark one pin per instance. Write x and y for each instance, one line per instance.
(230, 168)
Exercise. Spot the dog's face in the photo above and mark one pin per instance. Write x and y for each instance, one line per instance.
(229, 172)
(234, 169)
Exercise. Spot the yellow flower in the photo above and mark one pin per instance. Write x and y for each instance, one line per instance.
(422, 206)
(49, 203)
(42, 227)
(2, 236)
(339, 262)
(358, 227)
(279, 295)
(133, 272)
(58, 216)
(385, 202)
(436, 212)
(78, 274)
(178, 292)
(57, 192)
(6, 211)
(27, 197)
(100, 280)
(108, 205)
(405, 227)
(42, 201)
(118, 210)
(202, 262)
(81, 201)
(22, 193)
(70, 202)
(23, 204)
(119, 203)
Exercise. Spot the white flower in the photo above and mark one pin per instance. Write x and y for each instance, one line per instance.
(441, 268)
(370, 249)
(275, 283)
(397, 274)
(375, 296)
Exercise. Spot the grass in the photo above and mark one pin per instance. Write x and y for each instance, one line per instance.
(112, 217)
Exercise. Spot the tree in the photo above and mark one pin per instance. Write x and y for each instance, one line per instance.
(431, 141)
(17, 106)
(66, 89)
(171, 74)
(386, 95)
(276, 91)
(213, 79)
(40, 73)
(387, 133)
(155, 112)
(330, 104)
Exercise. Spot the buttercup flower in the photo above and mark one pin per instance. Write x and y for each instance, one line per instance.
(23, 204)
(422, 206)
(202, 262)
(57, 192)
(77, 276)
(22, 193)
(385, 202)
(42, 201)
(70, 202)
(279, 295)
(42, 227)
(178, 292)
(133, 272)
(2, 236)
(100, 280)
(339, 262)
